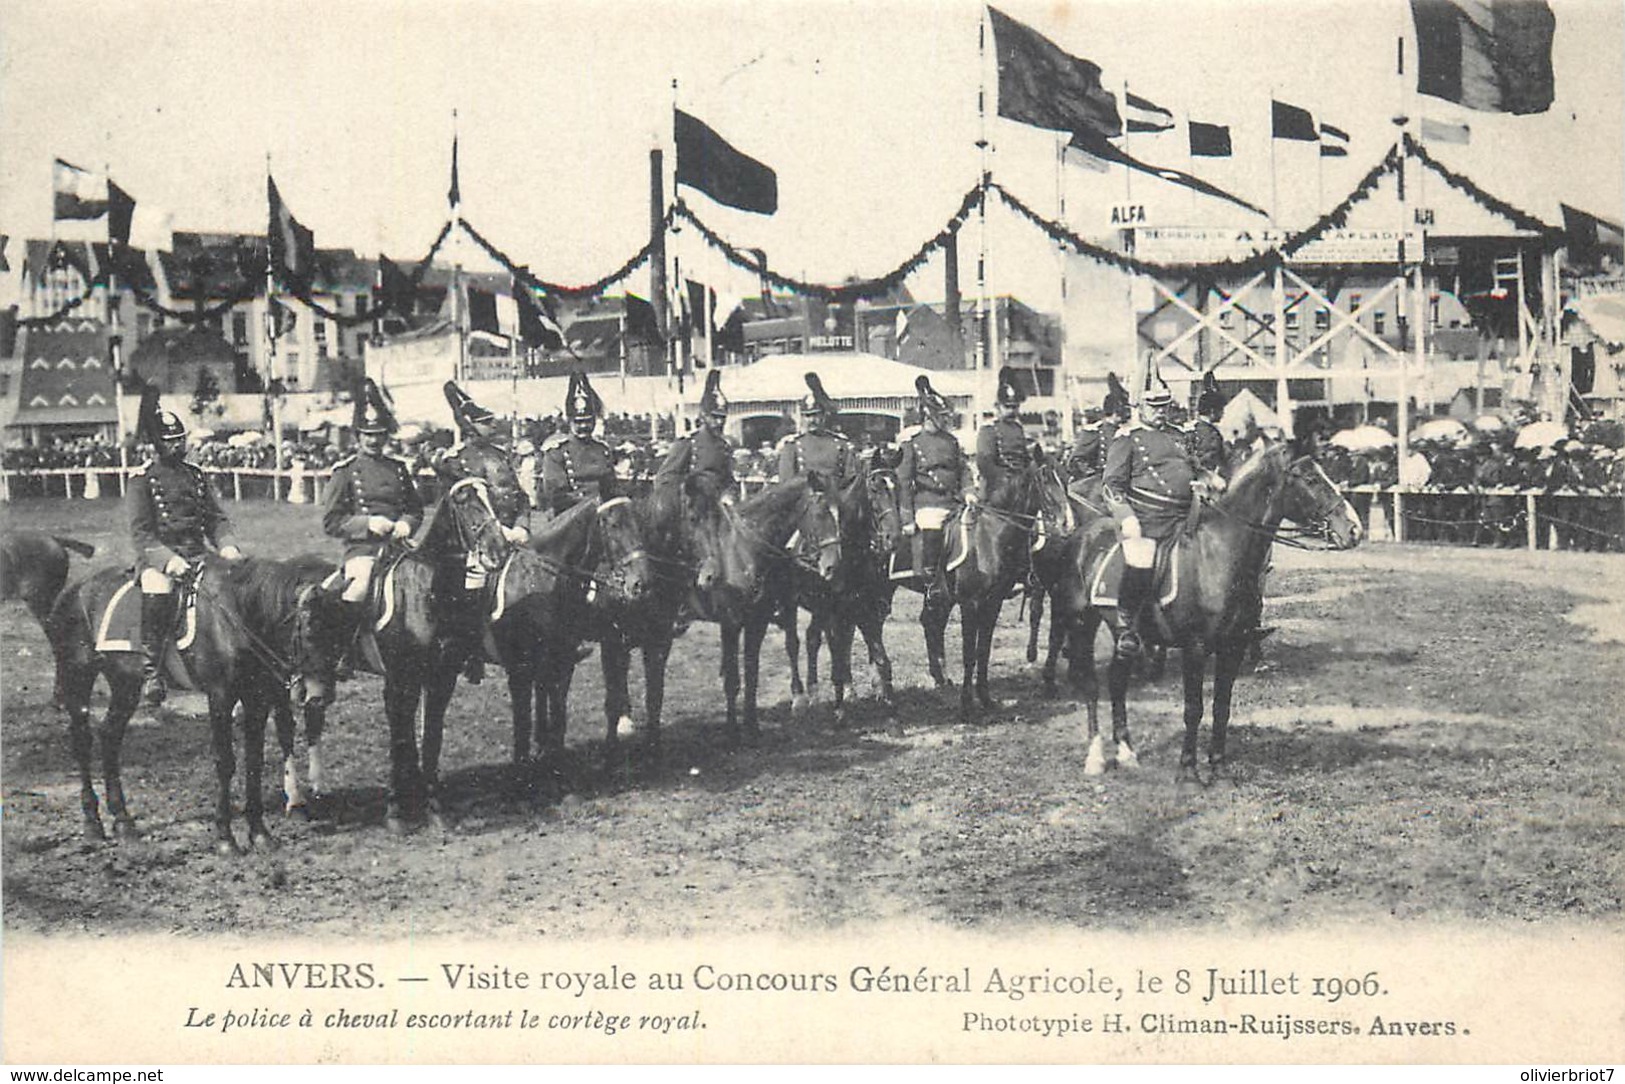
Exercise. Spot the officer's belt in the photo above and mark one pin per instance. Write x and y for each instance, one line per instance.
(1160, 501)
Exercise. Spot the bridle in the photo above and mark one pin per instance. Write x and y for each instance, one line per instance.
(1316, 527)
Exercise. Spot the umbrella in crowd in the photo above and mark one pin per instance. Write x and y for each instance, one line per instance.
(1362, 438)
(1448, 429)
(245, 439)
(199, 435)
(1489, 423)
(1540, 435)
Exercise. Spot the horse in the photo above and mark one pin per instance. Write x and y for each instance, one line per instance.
(417, 642)
(745, 578)
(583, 573)
(264, 635)
(985, 554)
(1217, 567)
(1066, 511)
(859, 598)
(34, 568)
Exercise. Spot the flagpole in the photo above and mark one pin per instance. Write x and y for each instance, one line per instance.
(115, 338)
(1275, 195)
(1403, 419)
(981, 349)
(458, 307)
(270, 349)
(1068, 430)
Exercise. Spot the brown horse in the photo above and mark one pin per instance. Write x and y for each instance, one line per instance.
(1217, 568)
(34, 567)
(265, 635)
(985, 555)
(585, 572)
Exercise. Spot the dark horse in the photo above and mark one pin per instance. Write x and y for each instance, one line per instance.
(268, 636)
(858, 598)
(985, 555)
(586, 570)
(34, 568)
(1216, 609)
(747, 557)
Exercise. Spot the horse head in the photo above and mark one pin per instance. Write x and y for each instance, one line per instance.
(1276, 482)
(464, 521)
(1315, 504)
(885, 518)
(322, 627)
(818, 526)
(623, 562)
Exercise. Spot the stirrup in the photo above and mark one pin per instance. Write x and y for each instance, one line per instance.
(153, 690)
(1128, 643)
(474, 670)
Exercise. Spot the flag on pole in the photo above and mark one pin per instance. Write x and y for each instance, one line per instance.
(78, 195)
(1103, 149)
(120, 215)
(1042, 85)
(454, 195)
(293, 247)
(396, 292)
(1491, 55)
(1209, 140)
(640, 320)
(1143, 115)
(902, 326)
(537, 327)
(710, 163)
(482, 311)
(1334, 142)
(1292, 122)
(1437, 131)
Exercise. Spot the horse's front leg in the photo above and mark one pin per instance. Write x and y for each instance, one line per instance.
(754, 632)
(1086, 680)
(1226, 665)
(792, 652)
(968, 621)
(75, 688)
(436, 698)
(655, 656)
(401, 696)
(1035, 621)
(616, 656)
(120, 708)
(934, 623)
(985, 626)
(225, 766)
(1117, 677)
(730, 676)
(1193, 664)
(256, 709)
(873, 627)
(521, 682)
(841, 633)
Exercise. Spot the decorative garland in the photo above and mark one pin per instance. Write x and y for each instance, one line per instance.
(1521, 219)
(41, 321)
(1338, 216)
(244, 293)
(853, 291)
(353, 319)
(591, 289)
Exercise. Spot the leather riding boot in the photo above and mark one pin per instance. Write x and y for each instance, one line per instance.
(472, 635)
(156, 622)
(930, 563)
(1132, 594)
(355, 613)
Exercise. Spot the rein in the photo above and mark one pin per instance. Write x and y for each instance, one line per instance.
(284, 670)
(1292, 537)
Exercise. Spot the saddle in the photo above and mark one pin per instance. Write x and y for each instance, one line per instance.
(1106, 572)
(118, 625)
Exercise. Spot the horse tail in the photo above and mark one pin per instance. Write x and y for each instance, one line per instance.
(83, 549)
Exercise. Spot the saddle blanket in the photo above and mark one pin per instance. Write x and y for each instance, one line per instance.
(1109, 573)
(119, 627)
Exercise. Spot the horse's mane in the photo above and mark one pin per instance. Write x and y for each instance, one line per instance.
(775, 500)
(266, 590)
(1250, 465)
(1016, 487)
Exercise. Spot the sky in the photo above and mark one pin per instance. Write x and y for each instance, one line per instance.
(868, 112)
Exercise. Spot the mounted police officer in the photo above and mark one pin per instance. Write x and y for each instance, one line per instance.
(1148, 488)
(1118, 410)
(705, 455)
(1002, 447)
(371, 500)
(1203, 438)
(819, 446)
(931, 480)
(576, 466)
(175, 520)
(1086, 458)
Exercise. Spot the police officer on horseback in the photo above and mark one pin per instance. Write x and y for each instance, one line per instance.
(819, 446)
(175, 520)
(371, 499)
(576, 466)
(1002, 445)
(706, 456)
(931, 482)
(1148, 488)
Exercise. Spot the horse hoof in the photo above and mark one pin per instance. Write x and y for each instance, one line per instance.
(1126, 757)
(297, 812)
(396, 825)
(227, 847)
(840, 719)
(1095, 762)
(93, 832)
(799, 703)
(625, 727)
(439, 824)
(124, 828)
(262, 839)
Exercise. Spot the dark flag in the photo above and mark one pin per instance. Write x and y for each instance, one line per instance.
(293, 247)
(710, 163)
(76, 194)
(396, 292)
(731, 335)
(454, 195)
(641, 322)
(482, 311)
(1291, 122)
(1583, 368)
(120, 214)
(1106, 151)
(1042, 85)
(1209, 140)
(537, 327)
(700, 307)
(1334, 142)
(1144, 115)
(1491, 55)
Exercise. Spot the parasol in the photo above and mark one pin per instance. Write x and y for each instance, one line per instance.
(1363, 438)
(1446, 429)
(1541, 435)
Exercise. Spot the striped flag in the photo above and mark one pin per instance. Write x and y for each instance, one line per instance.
(1334, 142)
(1143, 115)
(1491, 55)
(1437, 131)
(77, 195)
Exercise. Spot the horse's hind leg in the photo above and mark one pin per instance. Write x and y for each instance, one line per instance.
(75, 686)
(1117, 675)
(126, 697)
(1226, 665)
(225, 766)
(436, 697)
(1035, 621)
(874, 638)
(255, 712)
(1194, 667)
(400, 706)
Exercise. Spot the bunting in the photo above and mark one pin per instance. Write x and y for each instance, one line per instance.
(1043, 85)
(293, 247)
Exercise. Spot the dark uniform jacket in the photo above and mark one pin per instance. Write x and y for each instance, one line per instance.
(931, 473)
(1206, 445)
(574, 469)
(1087, 456)
(830, 454)
(174, 511)
(1002, 449)
(703, 453)
(363, 486)
(1150, 471)
(485, 460)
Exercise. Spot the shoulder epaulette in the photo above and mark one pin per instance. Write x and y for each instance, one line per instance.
(787, 440)
(345, 462)
(554, 441)
(141, 470)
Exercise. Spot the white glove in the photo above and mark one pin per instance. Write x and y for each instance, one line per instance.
(1131, 527)
(231, 553)
(516, 536)
(176, 566)
(379, 525)
(401, 529)
(972, 499)
(910, 528)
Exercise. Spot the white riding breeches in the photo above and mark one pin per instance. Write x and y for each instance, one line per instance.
(358, 574)
(1139, 552)
(931, 519)
(154, 582)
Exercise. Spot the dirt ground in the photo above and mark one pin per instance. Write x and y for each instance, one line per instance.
(1436, 734)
